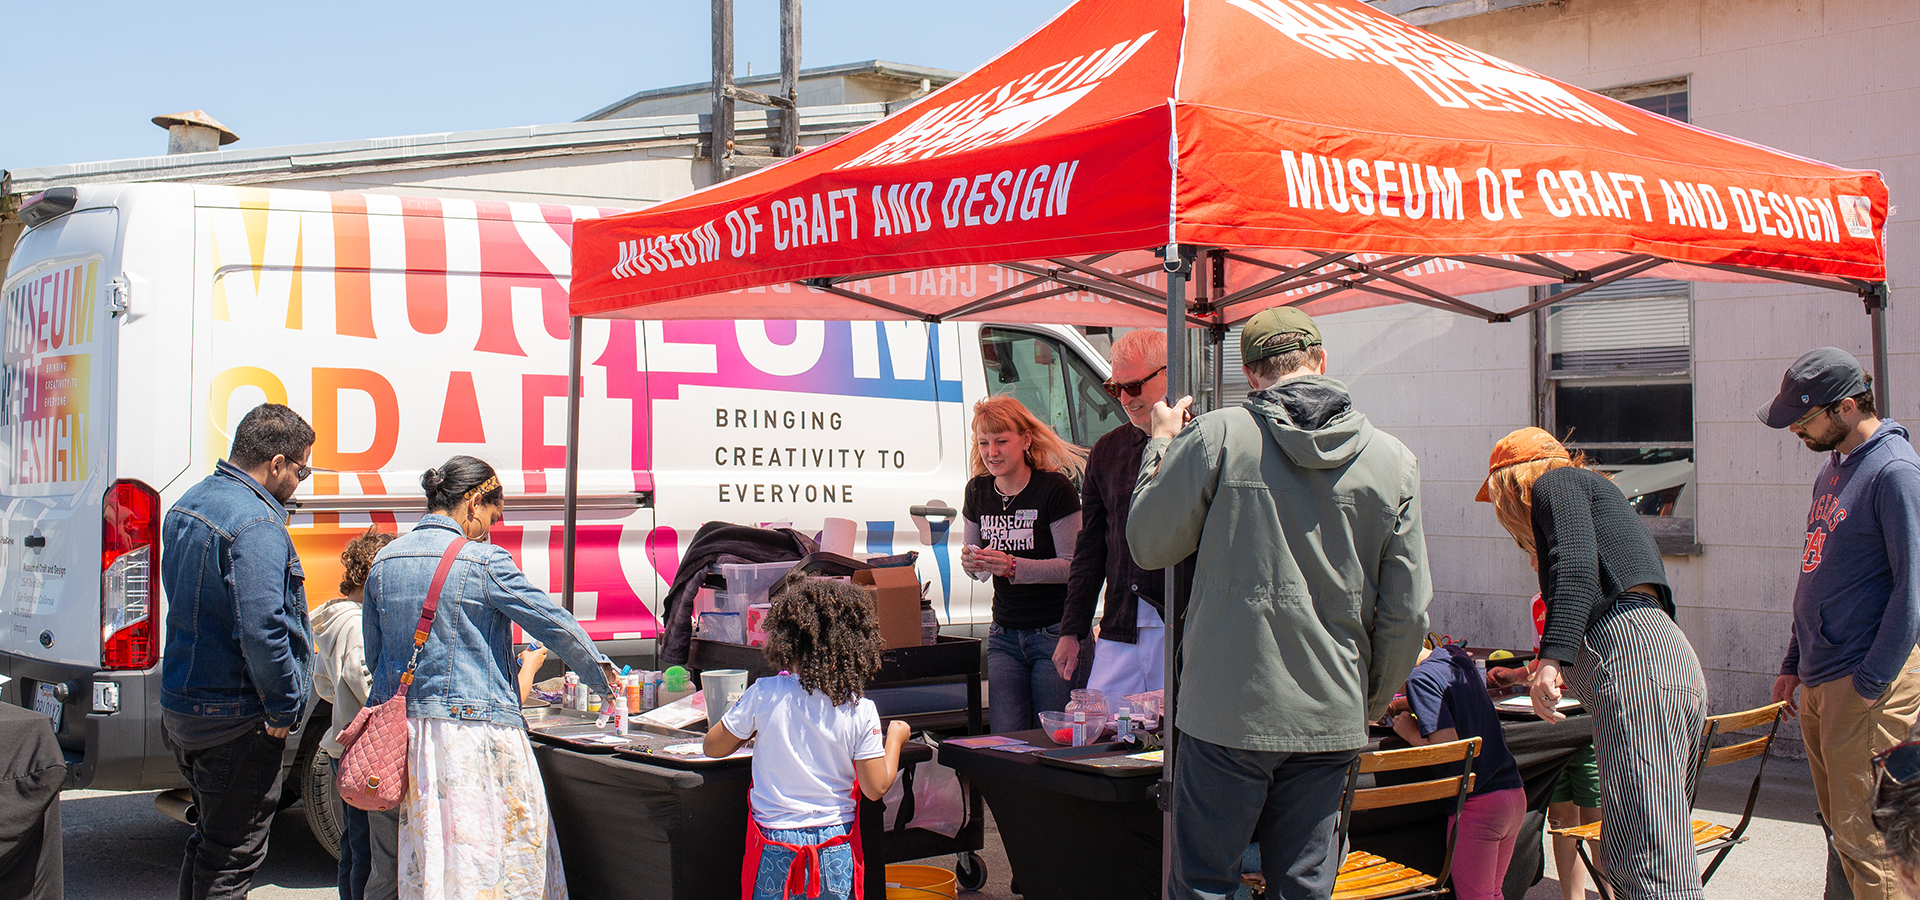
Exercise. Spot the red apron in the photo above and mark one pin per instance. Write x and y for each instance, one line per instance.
(803, 874)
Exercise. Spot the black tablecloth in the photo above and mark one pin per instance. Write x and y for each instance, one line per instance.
(32, 771)
(630, 829)
(1080, 834)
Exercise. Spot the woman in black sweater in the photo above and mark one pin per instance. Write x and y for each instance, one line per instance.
(1610, 634)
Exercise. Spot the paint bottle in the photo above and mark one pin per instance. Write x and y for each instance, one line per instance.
(630, 685)
(570, 691)
(620, 725)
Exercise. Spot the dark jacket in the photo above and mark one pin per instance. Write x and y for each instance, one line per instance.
(1592, 548)
(1101, 555)
(1856, 611)
(238, 641)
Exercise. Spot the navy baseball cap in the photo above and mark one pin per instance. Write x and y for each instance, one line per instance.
(1824, 375)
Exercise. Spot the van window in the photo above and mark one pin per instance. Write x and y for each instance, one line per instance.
(1054, 383)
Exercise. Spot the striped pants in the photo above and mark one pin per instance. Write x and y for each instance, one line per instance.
(1639, 678)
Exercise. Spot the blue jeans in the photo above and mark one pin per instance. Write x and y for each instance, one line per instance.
(356, 856)
(1022, 677)
(836, 862)
(1288, 803)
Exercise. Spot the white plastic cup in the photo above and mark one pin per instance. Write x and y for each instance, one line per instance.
(722, 687)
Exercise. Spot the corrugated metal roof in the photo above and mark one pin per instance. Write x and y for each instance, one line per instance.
(262, 163)
(873, 68)
(1427, 12)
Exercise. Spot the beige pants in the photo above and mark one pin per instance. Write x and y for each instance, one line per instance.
(1842, 734)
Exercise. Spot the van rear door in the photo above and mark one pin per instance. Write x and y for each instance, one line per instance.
(55, 377)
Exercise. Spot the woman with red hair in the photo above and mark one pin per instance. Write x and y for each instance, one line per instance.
(1022, 518)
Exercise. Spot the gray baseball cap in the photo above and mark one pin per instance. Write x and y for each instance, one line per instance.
(1822, 376)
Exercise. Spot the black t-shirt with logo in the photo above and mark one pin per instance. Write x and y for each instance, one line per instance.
(1022, 525)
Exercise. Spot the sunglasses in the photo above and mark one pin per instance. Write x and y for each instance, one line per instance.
(304, 472)
(1129, 388)
(1803, 420)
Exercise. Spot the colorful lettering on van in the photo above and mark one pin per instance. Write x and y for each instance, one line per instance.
(408, 330)
(45, 382)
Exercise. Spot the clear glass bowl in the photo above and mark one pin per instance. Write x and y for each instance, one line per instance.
(1063, 730)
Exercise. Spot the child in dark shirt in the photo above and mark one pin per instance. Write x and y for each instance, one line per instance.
(1447, 700)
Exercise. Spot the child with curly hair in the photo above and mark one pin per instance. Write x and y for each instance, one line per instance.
(340, 678)
(821, 739)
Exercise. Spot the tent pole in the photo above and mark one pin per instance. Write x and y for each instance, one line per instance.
(1178, 266)
(571, 515)
(1876, 297)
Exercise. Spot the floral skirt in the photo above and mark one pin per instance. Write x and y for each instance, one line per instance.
(475, 824)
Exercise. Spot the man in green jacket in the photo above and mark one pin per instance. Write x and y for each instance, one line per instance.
(1308, 608)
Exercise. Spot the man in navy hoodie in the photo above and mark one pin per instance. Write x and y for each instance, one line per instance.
(1856, 611)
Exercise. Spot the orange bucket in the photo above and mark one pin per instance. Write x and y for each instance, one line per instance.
(920, 883)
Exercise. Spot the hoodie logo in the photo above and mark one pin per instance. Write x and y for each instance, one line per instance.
(1829, 515)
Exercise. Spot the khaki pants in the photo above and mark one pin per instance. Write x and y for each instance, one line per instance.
(1842, 735)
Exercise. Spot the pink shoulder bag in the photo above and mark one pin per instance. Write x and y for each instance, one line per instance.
(373, 763)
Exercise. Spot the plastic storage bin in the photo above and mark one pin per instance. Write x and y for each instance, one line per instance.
(749, 583)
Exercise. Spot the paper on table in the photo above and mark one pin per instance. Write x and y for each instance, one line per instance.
(985, 740)
(678, 714)
(1524, 703)
(1016, 748)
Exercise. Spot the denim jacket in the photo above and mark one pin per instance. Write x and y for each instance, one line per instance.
(238, 641)
(466, 668)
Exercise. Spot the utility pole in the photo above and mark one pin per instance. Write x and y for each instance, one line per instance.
(790, 77)
(726, 155)
(722, 142)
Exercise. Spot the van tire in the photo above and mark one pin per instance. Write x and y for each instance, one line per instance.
(294, 779)
(325, 816)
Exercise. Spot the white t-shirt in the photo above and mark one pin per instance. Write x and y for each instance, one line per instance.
(803, 762)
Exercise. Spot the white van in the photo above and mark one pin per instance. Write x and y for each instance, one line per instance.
(142, 321)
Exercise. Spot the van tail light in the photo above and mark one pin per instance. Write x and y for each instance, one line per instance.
(129, 549)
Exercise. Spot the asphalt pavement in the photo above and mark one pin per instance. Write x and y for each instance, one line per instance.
(119, 848)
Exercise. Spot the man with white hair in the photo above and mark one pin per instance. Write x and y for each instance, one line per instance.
(1130, 655)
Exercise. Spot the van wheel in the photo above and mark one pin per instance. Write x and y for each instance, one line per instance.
(326, 816)
(293, 779)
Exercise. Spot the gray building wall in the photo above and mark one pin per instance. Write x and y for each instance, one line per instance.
(1835, 80)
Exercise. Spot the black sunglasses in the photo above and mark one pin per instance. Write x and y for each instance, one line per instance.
(304, 472)
(1130, 388)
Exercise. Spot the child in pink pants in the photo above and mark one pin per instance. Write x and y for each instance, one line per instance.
(1447, 700)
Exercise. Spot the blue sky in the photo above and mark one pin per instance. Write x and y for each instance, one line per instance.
(85, 78)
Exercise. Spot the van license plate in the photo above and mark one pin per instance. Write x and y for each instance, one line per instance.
(46, 703)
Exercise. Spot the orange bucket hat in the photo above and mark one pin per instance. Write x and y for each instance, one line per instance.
(1526, 445)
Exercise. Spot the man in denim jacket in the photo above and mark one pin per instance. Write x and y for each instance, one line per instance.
(238, 664)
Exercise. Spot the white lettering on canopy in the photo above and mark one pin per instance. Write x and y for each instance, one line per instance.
(1451, 75)
(998, 115)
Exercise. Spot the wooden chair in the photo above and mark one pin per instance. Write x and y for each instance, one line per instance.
(1364, 876)
(1708, 837)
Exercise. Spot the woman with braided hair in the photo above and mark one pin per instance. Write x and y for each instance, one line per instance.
(820, 741)
(474, 822)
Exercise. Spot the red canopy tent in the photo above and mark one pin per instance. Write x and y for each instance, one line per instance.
(1339, 157)
(1318, 154)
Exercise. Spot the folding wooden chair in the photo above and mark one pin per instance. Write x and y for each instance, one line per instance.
(1708, 837)
(1364, 876)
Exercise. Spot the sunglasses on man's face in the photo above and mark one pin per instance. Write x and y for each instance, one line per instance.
(1130, 388)
(302, 473)
(1802, 422)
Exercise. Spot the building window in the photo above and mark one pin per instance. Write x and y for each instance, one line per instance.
(1667, 97)
(1616, 383)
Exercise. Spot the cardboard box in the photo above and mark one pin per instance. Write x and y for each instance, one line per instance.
(896, 599)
